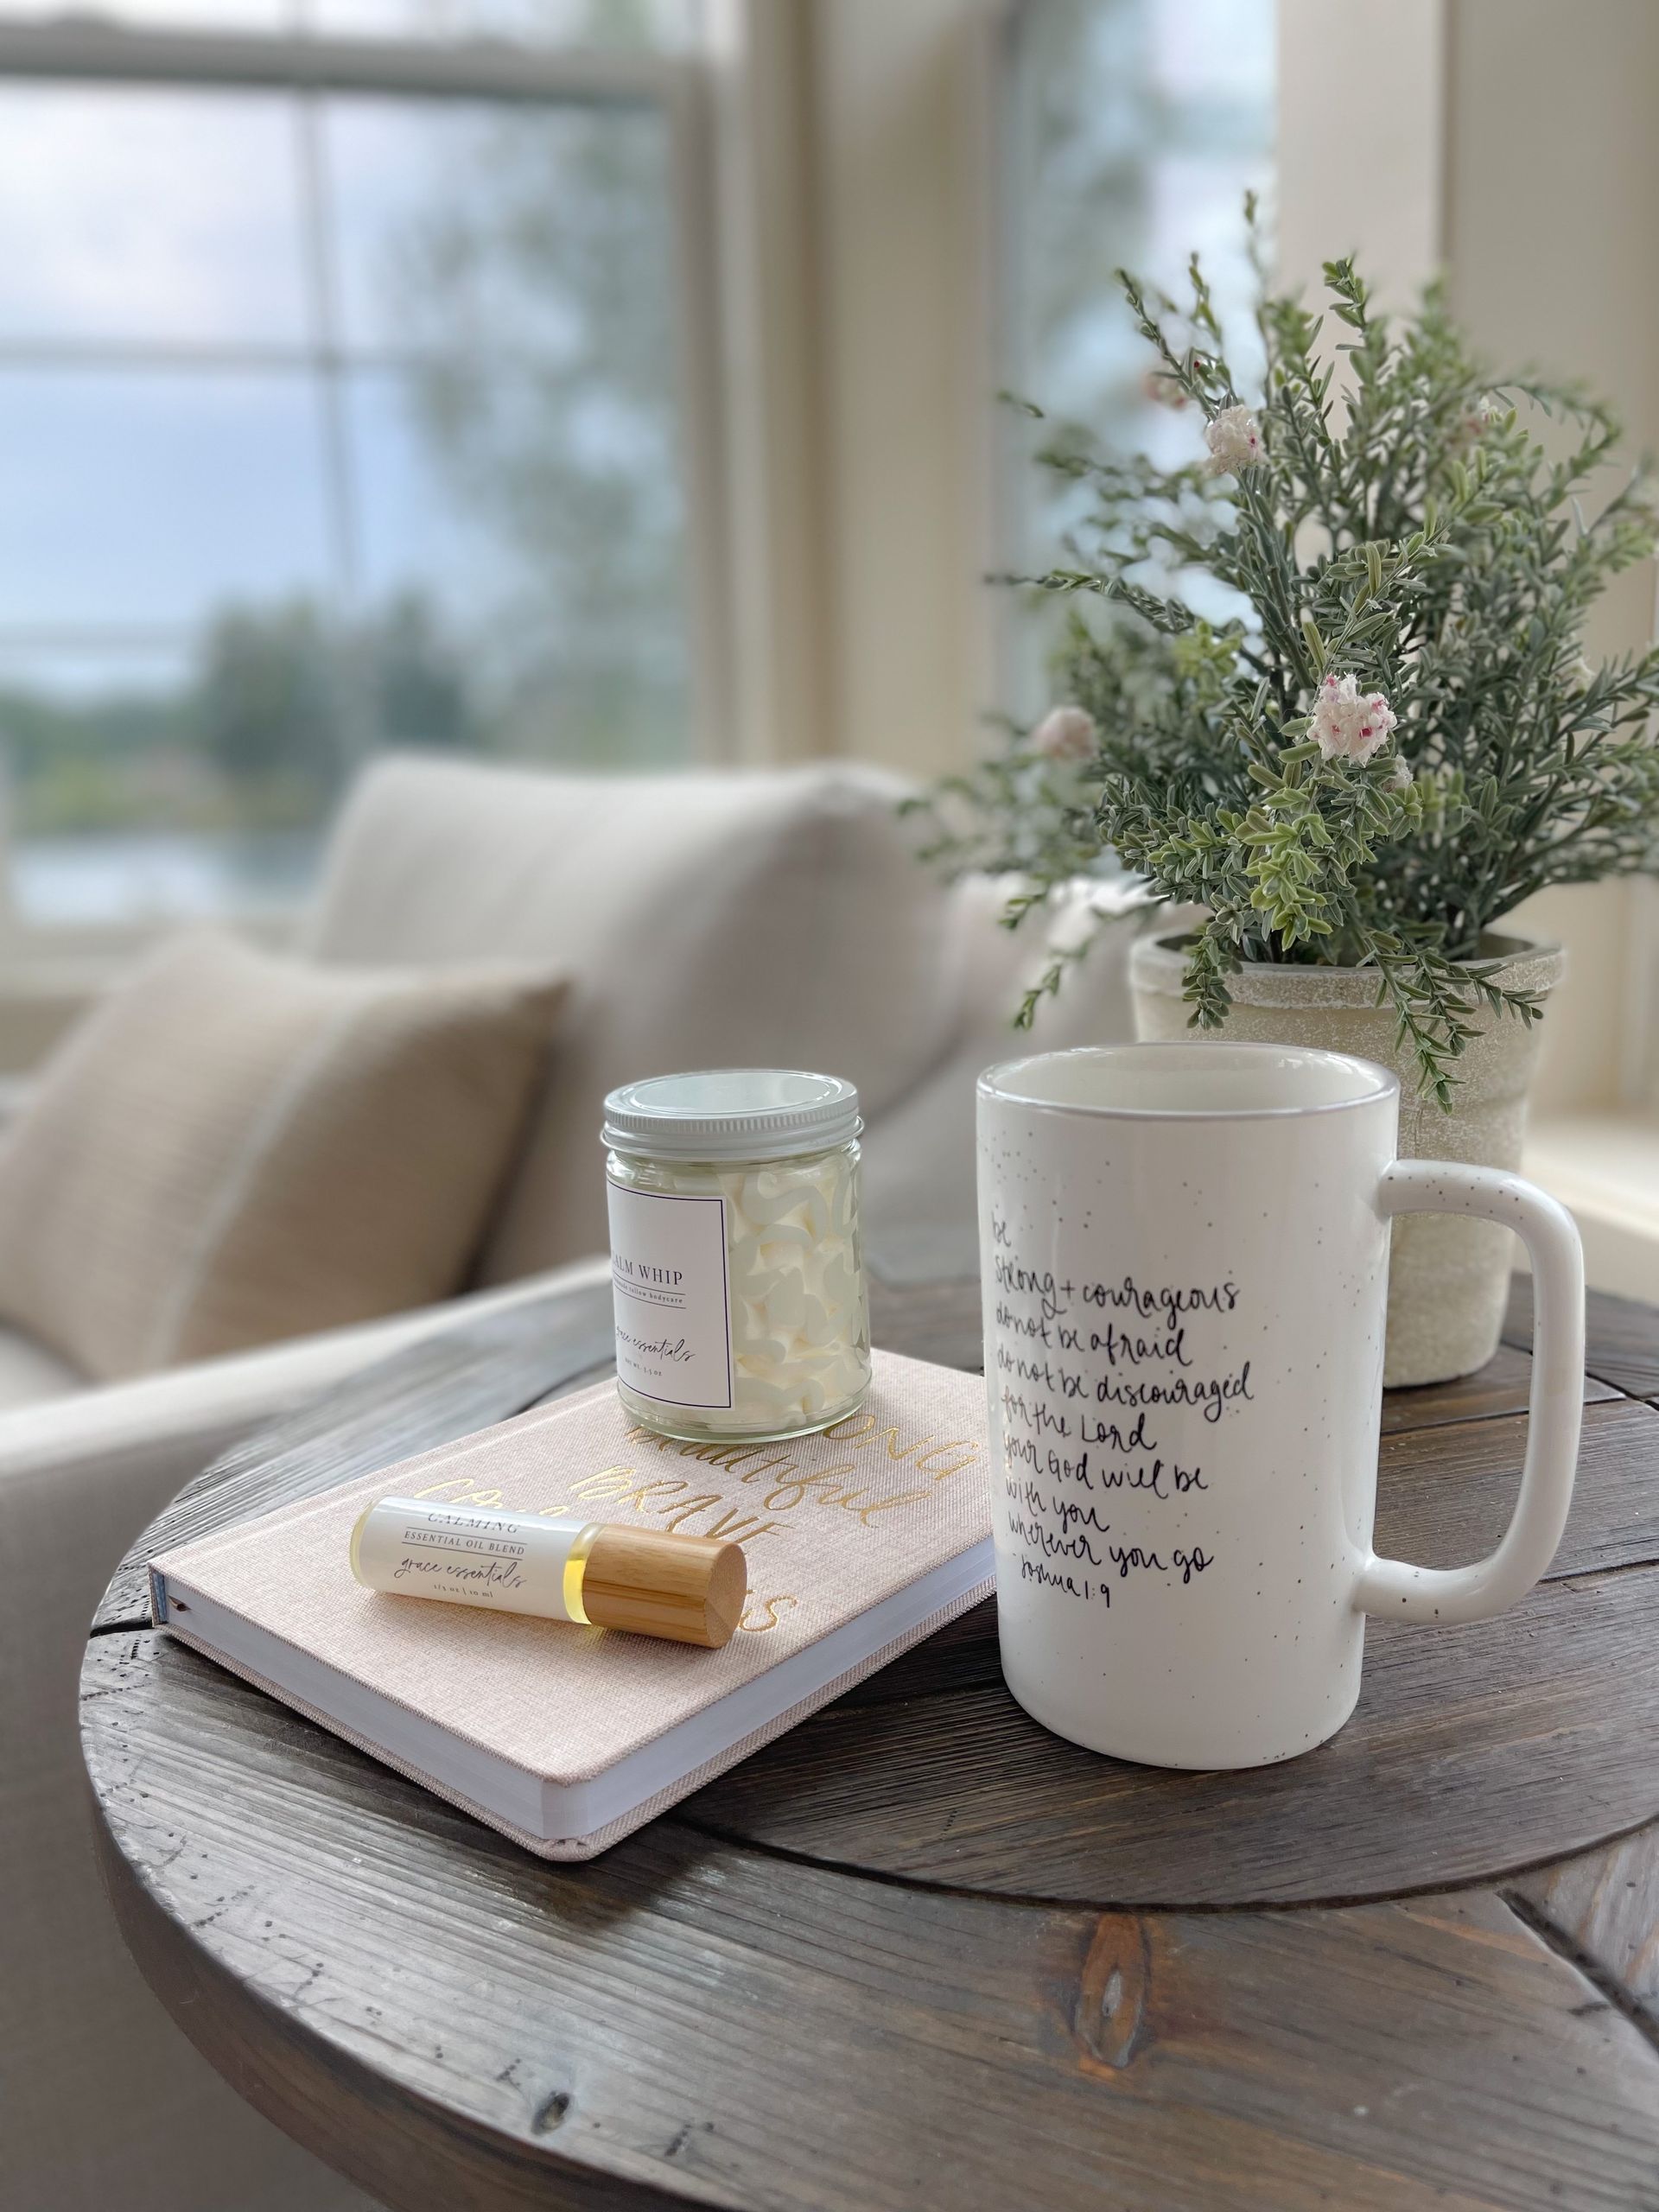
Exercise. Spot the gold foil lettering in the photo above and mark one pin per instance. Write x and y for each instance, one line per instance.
(689, 1506)
(763, 1626)
(968, 1448)
(785, 1496)
(735, 1528)
(674, 1500)
(636, 1497)
(462, 1486)
(868, 1513)
(610, 1482)
(860, 1430)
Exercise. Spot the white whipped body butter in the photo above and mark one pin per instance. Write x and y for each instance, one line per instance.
(735, 1256)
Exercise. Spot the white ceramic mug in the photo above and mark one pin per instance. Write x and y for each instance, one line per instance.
(1185, 1251)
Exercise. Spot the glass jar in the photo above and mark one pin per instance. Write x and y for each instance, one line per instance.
(735, 1255)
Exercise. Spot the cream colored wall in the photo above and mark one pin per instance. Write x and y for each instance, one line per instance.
(767, 138)
(1552, 196)
(905, 234)
(855, 202)
(1387, 209)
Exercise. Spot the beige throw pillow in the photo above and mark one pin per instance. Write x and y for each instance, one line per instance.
(235, 1148)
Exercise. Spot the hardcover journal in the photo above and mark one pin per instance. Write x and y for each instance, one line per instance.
(859, 1542)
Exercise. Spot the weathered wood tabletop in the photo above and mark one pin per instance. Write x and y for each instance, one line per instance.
(919, 1953)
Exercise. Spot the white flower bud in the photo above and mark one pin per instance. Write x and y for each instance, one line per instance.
(1345, 724)
(1235, 441)
(1065, 733)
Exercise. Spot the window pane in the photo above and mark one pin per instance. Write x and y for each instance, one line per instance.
(522, 474)
(464, 225)
(158, 758)
(267, 509)
(541, 554)
(1131, 145)
(148, 496)
(149, 216)
(95, 879)
(114, 809)
(1134, 128)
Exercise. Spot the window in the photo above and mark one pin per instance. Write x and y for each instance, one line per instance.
(1132, 129)
(343, 376)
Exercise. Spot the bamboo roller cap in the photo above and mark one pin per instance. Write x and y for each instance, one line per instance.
(689, 1589)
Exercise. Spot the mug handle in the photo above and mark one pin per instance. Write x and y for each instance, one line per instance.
(1392, 1587)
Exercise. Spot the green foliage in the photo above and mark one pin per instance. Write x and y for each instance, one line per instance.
(288, 700)
(270, 701)
(261, 737)
(536, 291)
(531, 288)
(1409, 530)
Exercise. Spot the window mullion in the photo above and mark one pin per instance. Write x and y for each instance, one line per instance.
(70, 49)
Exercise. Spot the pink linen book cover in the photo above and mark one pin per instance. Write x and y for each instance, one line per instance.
(830, 1524)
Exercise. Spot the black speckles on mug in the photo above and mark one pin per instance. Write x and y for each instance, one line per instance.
(1184, 1324)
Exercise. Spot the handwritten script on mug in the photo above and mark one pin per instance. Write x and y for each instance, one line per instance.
(1186, 1257)
(1072, 1437)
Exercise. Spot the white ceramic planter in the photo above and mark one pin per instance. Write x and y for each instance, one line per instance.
(1448, 1278)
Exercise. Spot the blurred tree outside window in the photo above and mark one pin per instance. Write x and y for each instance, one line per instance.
(1131, 130)
(328, 422)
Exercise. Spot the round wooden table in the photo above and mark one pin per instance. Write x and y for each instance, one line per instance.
(919, 1953)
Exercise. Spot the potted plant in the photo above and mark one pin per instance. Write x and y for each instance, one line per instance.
(1330, 697)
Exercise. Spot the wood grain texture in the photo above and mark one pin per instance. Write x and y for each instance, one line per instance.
(687, 1589)
(910, 1955)
(421, 1396)
(1445, 1495)
(1605, 1908)
(1474, 1750)
(1621, 1336)
(456, 2024)
(1501, 1387)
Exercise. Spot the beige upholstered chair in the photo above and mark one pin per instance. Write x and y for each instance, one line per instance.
(772, 918)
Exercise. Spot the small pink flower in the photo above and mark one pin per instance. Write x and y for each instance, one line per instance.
(1162, 388)
(1345, 724)
(1472, 426)
(1065, 733)
(1235, 441)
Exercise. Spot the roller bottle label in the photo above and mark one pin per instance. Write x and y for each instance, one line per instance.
(648, 1581)
(509, 1562)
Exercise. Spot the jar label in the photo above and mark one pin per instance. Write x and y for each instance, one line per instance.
(673, 1316)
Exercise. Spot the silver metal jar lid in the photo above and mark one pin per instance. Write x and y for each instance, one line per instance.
(732, 1114)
